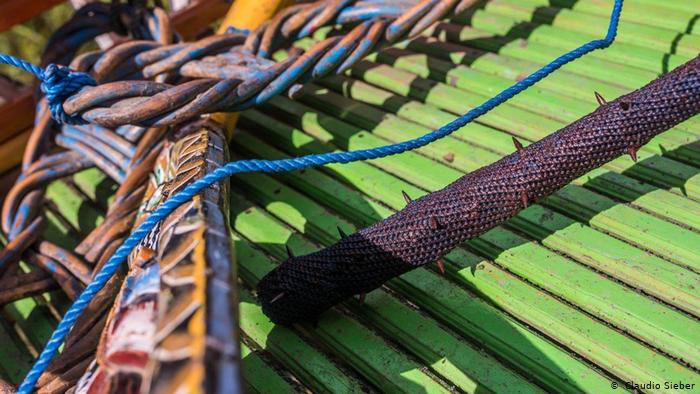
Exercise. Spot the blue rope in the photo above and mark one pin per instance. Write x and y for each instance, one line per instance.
(57, 82)
(71, 82)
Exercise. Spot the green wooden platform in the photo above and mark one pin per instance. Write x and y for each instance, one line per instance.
(596, 286)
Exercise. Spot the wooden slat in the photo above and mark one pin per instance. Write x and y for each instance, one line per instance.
(11, 150)
(260, 376)
(13, 12)
(197, 15)
(16, 116)
(313, 368)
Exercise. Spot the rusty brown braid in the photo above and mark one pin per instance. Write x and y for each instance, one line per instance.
(303, 287)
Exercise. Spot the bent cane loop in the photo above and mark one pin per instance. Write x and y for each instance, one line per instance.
(245, 15)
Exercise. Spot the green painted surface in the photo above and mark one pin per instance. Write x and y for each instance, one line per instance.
(262, 378)
(308, 364)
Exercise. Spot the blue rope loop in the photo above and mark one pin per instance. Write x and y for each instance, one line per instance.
(59, 82)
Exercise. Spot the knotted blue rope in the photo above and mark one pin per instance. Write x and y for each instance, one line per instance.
(56, 82)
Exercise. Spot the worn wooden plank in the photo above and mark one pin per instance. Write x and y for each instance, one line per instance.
(190, 20)
(13, 12)
(17, 115)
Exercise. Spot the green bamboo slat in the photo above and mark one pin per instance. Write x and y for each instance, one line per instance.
(620, 52)
(261, 377)
(644, 318)
(676, 347)
(368, 353)
(677, 177)
(633, 266)
(97, 186)
(672, 143)
(78, 211)
(618, 354)
(611, 350)
(520, 347)
(307, 364)
(446, 354)
(615, 350)
(661, 171)
(15, 360)
(688, 6)
(447, 63)
(517, 58)
(488, 56)
(553, 104)
(633, 33)
(605, 214)
(637, 12)
(628, 221)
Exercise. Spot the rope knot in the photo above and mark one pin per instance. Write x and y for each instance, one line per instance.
(60, 82)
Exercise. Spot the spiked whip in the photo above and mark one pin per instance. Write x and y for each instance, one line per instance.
(302, 287)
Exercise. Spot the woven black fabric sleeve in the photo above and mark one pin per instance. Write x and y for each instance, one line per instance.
(302, 287)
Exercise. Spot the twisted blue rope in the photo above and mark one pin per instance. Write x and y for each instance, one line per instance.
(57, 82)
(65, 81)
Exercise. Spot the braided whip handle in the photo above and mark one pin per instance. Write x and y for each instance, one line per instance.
(426, 229)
